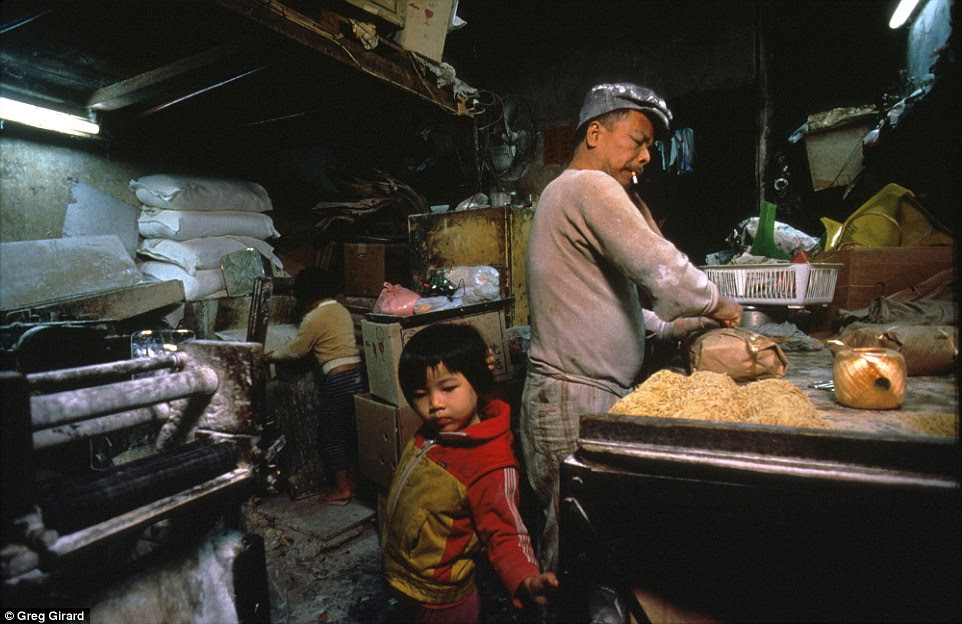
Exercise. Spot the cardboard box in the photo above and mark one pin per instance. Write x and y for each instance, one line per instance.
(870, 272)
(382, 432)
(381, 511)
(835, 156)
(390, 10)
(383, 342)
(426, 24)
(368, 265)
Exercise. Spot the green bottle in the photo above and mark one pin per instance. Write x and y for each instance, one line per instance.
(764, 243)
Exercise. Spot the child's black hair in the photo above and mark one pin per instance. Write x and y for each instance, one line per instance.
(459, 347)
(312, 284)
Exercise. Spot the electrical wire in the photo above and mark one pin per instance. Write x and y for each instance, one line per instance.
(199, 92)
(496, 100)
(281, 118)
(26, 20)
(417, 71)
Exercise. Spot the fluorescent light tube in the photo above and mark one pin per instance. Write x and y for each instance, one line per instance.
(45, 118)
(902, 12)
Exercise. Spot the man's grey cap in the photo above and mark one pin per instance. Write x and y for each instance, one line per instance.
(606, 97)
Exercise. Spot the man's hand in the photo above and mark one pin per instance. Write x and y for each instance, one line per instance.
(728, 312)
(536, 589)
(680, 328)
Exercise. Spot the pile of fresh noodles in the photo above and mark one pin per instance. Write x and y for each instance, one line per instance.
(716, 397)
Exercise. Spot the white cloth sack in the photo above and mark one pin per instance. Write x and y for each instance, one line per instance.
(182, 225)
(204, 283)
(203, 253)
(179, 192)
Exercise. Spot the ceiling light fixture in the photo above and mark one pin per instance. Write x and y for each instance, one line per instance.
(902, 12)
(46, 118)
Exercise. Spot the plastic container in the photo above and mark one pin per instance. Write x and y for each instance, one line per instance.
(764, 242)
(776, 284)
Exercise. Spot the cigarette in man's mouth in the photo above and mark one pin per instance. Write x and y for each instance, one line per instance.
(634, 178)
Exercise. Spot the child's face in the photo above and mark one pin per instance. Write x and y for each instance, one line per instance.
(448, 402)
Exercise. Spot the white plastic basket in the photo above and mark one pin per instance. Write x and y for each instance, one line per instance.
(776, 284)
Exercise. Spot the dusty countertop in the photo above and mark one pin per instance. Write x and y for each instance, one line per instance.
(931, 402)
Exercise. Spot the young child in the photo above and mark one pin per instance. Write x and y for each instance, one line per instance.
(327, 332)
(455, 490)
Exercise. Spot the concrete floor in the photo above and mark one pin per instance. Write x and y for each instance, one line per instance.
(324, 563)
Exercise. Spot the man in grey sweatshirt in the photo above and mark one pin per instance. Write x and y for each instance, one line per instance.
(595, 261)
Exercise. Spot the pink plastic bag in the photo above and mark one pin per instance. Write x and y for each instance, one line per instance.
(396, 299)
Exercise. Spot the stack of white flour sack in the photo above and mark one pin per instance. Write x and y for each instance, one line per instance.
(189, 223)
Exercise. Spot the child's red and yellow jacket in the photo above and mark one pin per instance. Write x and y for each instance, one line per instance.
(451, 495)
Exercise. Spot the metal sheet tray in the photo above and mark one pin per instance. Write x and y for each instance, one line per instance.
(707, 447)
(762, 523)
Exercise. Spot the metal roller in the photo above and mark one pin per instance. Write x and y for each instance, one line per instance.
(57, 510)
(55, 436)
(64, 407)
(134, 484)
(73, 543)
(52, 379)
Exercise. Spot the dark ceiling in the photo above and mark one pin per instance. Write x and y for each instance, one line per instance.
(141, 65)
(243, 78)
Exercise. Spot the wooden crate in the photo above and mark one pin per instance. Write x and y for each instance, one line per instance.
(870, 272)
(368, 265)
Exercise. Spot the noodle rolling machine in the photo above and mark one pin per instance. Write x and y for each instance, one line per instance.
(74, 527)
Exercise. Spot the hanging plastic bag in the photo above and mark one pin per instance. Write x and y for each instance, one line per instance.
(478, 283)
(788, 240)
(395, 300)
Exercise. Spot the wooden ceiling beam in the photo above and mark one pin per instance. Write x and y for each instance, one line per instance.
(146, 85)
(331, 34)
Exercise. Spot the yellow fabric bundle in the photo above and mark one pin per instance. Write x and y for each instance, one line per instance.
(890, 218)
